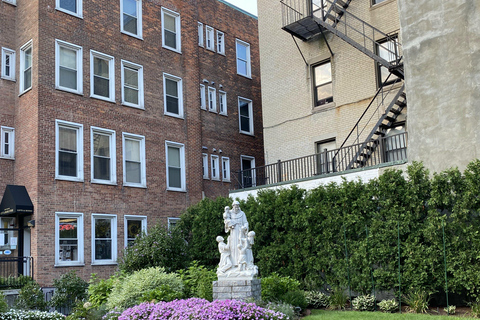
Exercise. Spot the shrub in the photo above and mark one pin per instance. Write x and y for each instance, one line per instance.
(275, 287)
(159, 248)
(198, 281)
(127, 291)
(99, 290)
(295, 298)
(31, 315)
(69, 289)
(364, 303)
(316, 299)
(338, 299)
(86, 311)
(3, 303)
(164, 293)
(112, 314)
(450, 309)
(417, 301)
(388, 305)
(31, 297)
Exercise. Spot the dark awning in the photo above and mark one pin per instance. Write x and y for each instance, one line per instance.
(15, 201)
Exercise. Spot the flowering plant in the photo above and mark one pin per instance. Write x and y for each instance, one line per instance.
(31, 315)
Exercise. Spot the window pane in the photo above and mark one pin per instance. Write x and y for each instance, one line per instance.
(129, 24)
(172, 105)
(68, 139)
(101, 168)
(241, 51)
(28, 58)
(67, 164)
(130, 7)
(101, 145)
(244, 108)
(67, 228)
(68, 58)
(103, 249)
(173, 157)
(323, 73)
(134, 227)
(68, 250)
(133, 172)
(174, 177)
(132, 150)
(68, 78)
(131, 95)
(70, 5)
(170, 39)
(131, 77)
(171, 87)
(103, 228)
(245, 124)
(324, 92)
(241, 67)
(169, 23)
(100, 67)
(101, 87)
(27, 81)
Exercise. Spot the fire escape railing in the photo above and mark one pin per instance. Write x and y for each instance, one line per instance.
(13, 271)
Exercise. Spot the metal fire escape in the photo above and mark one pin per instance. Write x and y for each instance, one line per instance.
(306, 19)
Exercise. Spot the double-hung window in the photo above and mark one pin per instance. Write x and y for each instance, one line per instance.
(172, 95)
(175, 166)
(220, 42)
(73, 7)
(203, 99)
(69, 151)
(26, 67)
(8, 64)
(215, 167)
(131, 17)
(225, 169)
(134, 160)
(171, 30)
(103, 156)
(243, 58)
(222, 97)
(245, 114)
(132, 84)
(212, 99)
(102, 76)
(68, 238)
(200, 34)
(104, 234)
(172, 223)
(8, 142)
(205, 165)
(210, 38)
(322, 83)
(134, 225)
(68, 67)
(387, 49)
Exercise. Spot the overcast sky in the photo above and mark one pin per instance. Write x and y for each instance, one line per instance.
(247, 5)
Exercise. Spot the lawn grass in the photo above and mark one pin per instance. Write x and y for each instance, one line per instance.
(356, 315)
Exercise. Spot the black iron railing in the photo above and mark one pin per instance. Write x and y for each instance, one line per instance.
(15, 271)
(389, 149)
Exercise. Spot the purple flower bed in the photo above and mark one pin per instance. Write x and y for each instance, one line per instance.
(200, 309)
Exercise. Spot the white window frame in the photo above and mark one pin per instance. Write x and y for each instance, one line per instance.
(254, 171)
(210, 38)
(205, 166)
(170, 222)
(248, 61)
(113, 159)
(79, 64)
(212, 99)
(11, 53)
(23, 49)
(111, 75)
(11, 142)
(113, 232)
(201, 41)
(178, 31)
(79, 128)
(215, 163)
(203, 98)
(126, 218)
(180, 146)
(79, 8)
(179, 82)
(250, 112)
(226, 169)
(143, 176)
(80, 239)
(222, 102)
(139, 68)
(12, 2)
(220, 42)
(139, 21)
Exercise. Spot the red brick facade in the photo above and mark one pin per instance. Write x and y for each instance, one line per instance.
(33, 114)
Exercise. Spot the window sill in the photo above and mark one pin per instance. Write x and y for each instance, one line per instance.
(245, 76)
(73, 264)
(11, 3)
(7, 158)
(24, 91)
(206, 178)
(216, 179)
(213, 111)
(69, 12)
(223, 114)
(381, 4)
(78, 92)
(173, 115)
(176, 190)
(222, 53)
(210, 49)
(225, 180)
(8, 78)
(132, 185)
(132, 35)
(104, 263)
(172, 49)
(72, 179)
(324, 107)
(126, 104)
(102, 98)
(110, 183)
(247, 133)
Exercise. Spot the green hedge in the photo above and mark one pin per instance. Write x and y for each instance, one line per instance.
(301, 234)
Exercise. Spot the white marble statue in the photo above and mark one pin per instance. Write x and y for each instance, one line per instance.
(236, 257)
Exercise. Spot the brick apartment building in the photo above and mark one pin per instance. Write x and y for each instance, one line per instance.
(116, 115)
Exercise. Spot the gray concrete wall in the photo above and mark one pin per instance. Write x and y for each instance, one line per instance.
(441, 46)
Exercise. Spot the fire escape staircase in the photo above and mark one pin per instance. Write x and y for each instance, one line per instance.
(306, 21)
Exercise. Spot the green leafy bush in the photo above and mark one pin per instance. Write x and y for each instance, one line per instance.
(159, 248)
(164, 293)
(417, 301)
(295, 298)
(99, 290)
(31, 297)
(475, 312)
(127, 291)
(364, 303)
(317, 299)
(69, 289)
(275, 287)
(198, 281)
(450, 309)
(338, 299)
(14, 314)
(388, 305)
(3, 303)
(86, 311)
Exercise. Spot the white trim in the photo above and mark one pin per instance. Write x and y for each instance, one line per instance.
(143, 176)
(179, 83)
(139, 69)
(143, 219)
(80, 239)
(79, 66)
(201, 41)
(226, 169)
(220, 43)
(252, 164)
(178, 30)
(111, 75)
(215, 163)
(205, 166)
(79, 8)
(113, 238)
(210, 38)
(11, 53)
(23, 49)
(170, 223)
(250, 116)
(11, 143)
(222, 97)
(212, 99)
(248, 58)
(112, 156)
(203, 98)
(139, 33)
(181, 147)
(79, 132)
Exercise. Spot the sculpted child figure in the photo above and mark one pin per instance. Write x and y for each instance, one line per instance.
(225, 262)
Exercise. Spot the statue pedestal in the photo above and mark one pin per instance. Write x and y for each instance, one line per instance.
(236, 289)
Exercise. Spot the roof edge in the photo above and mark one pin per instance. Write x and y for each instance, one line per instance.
(239, 9)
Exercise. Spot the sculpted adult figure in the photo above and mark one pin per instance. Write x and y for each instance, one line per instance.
(238, 225)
